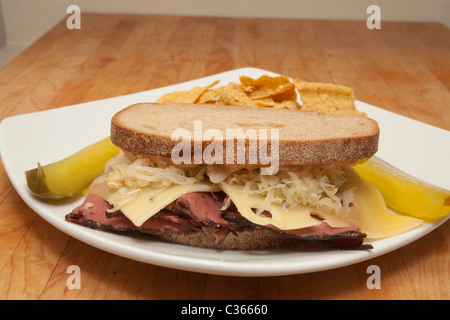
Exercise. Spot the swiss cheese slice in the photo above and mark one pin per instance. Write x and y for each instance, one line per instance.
(150, 201)
(282, 218)
(375, 219)
(369, 211)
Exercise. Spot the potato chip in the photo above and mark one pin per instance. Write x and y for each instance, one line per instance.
(189, 96)
(326, 97)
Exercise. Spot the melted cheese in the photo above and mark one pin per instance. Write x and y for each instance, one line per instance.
(281, 218)
(150, 201)
(369, 211)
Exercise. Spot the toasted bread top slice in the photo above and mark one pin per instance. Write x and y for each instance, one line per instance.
(304, 138)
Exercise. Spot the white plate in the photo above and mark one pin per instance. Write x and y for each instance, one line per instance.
(47, 136)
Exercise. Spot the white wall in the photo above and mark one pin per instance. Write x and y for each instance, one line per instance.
(26, 20)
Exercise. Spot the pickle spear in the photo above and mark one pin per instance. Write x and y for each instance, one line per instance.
(405, 193)
(69, 176)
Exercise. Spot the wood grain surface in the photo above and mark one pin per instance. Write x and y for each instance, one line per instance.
(404, 67)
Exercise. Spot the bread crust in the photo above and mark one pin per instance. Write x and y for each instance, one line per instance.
(137, 129)
(259, 238)
(252, 239)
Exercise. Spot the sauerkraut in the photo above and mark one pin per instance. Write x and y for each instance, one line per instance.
(127, 174)
(319, 188)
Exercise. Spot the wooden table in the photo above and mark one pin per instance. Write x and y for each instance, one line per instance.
(404, 67)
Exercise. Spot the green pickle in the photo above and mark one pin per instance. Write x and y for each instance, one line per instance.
(68, 177)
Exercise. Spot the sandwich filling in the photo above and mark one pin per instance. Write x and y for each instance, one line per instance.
(136, 192)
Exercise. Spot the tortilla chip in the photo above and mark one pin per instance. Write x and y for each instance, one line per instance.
(274, 92)
(268, 102)
(263, 82)
(326, 97)
(278, 89)
(210, 96)
(189, 96)
(287, 104)
(233, 95)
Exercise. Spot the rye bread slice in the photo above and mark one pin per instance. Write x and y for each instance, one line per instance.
(305, 138)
